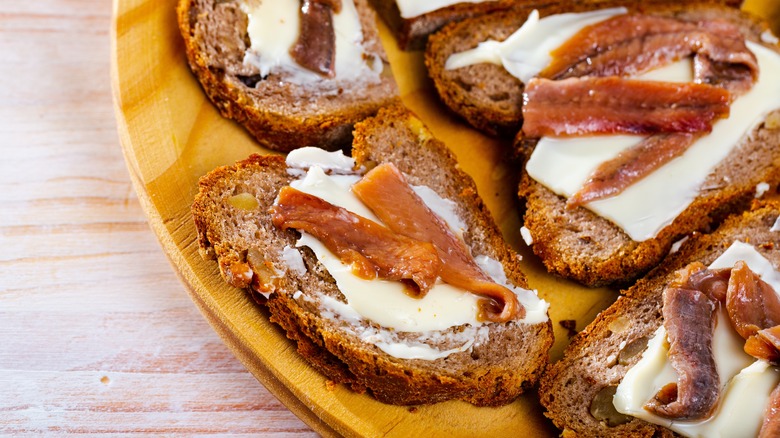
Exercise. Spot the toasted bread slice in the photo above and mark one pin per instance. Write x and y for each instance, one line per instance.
(577, 243)
(599, 357)
(251, 253)
(280, 114)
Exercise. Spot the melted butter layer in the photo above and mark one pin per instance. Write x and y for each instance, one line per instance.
(746, 383)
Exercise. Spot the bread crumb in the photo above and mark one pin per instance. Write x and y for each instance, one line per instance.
(526, 234)
(761, 189)
(330, 385)
(570, 325)
(776, 227)
(413, 410)
(676, 245)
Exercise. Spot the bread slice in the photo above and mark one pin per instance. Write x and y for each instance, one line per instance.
(577, 243)
(412, 33)
(580, 245)
(592, 362)
(279, 114)
(250, 250)
(486, 95)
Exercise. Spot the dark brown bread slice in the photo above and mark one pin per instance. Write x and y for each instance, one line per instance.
(412, 33)
(247, 245)
(281, 115)
(486, 95)
(591, 362)
(578, 244)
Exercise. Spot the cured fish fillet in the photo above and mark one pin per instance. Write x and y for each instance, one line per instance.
(385, 191)
(609, 105)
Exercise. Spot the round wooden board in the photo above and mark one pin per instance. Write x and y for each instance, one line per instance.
(171, 135)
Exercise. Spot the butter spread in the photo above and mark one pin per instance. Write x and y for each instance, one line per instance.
(389, 342)
(746, 383)
(646, 207)
(384, 302)
(415, 8)
(526, 52)
(273, 28)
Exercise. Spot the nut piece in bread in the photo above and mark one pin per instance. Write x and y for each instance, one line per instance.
(231, 216)
(280, 114)
(577, 390)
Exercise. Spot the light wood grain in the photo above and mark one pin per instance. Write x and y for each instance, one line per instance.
(97, 334)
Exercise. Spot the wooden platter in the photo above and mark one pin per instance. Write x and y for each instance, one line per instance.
(171, 135)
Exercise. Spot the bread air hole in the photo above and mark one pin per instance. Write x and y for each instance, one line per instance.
(251, 81)
(602, 409)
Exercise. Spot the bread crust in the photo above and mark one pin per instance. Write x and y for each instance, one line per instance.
(281, 116)
(486, 95)
(492, 373)
(412, 33)
(590, 361)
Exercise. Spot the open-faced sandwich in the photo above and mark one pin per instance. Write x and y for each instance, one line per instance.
(693, 348)
(293, 73)
(385, 268)
(641, 125)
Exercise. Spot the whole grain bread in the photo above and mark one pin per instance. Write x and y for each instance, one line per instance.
(486, 95)
(580, 245)
(577, 243)
(279, 114)
(250, 250)
(412, 33)
(592, 365)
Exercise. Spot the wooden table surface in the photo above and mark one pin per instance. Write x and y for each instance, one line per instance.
(97, 334)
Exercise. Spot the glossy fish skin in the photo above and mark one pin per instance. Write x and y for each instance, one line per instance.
(372, 249)
(385, 191)
(612, 105)
(771, 425)
(612, 177)
(603, 36)
(315, 48)
(689, 319)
